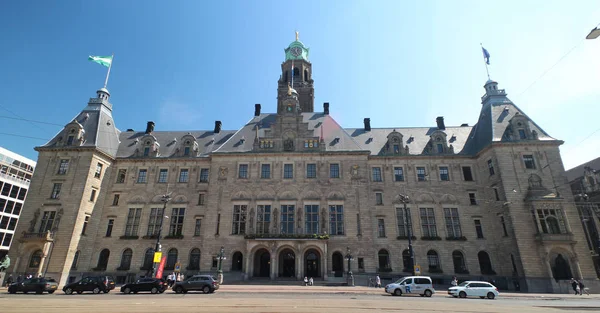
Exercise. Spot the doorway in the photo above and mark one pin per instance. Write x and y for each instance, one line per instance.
(287, 263)
(262, 263)
(312, 266)
(337, 264)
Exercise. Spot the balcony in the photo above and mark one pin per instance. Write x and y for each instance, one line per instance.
(555, 238)
(37, 237)
(287, 236)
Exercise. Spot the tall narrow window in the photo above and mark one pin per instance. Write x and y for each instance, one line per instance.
(472, 198)
(198, 227)
(116, 199)
(55, 191)
(85, 224)
(334, 170)
(336, 219)
(142, 175)
(186, 151)
(146, 151)
(421, 174)
(379, 198)
(184, 175)
(201, 198)
(218, 224)
(133, 222)
(172, 257)
(36, 259)
(381, 228)
(377, 174)
(452, 223)
(288, 171)
(75, 261)
(243, 171)
(504, 231)
(126, 260)
(311, 219)
(176, 226)
(204, 175)
(467, 174)
(358, 228)
(496, 194)
(398, 174)
(121, 175)
(311, 170)
(551, 221)
(444, 175)
(194, 260)
(109, 227)
(265, 171)
(522, 134)
(47, 221)
(156, 214)
(433, 260)
(478, 229)
(428, 222)
(529, 161)
(148, 259)
(287, 219)
(491, 167)
(440, 148)
(239, 219)
(98, 172)
(63, 167)
(163, 175)
(93, 195)
(404, 221)
(263, 219)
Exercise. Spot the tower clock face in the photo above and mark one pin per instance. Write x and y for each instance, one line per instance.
(296, 51)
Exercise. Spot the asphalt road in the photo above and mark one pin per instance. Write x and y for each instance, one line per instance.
(267, 302)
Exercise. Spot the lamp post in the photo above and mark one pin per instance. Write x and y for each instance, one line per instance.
(350, 277)
(405, 199)
(221, 257)
(157, 248)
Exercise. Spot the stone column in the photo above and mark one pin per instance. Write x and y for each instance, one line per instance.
(45, 251)
(249, 266)
(273, 266)
(324, 265)
(299, 269)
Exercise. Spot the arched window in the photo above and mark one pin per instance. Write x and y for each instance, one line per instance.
(406, 261)
(126, 260)
(148, 259)
(305, 75)
(237, 261)
(459, 262)
(485, 265)
(36, 259)
(384, 260)
(433, 260)
(561, 268)
(171, 259)
(75, 261)
(103, 259)
(194, 260)
(296, 72)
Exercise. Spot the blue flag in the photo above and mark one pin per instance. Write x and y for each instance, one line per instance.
(486, 56)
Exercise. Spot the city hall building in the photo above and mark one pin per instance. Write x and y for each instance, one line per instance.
(293, 193)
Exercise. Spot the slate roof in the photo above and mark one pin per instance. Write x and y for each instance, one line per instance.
(578, 170)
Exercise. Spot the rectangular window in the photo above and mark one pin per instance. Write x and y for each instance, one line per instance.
(63, 167)
(358, 228)
(503, 222)
(444, 175)
(17, 208)
(93, 195)
(156, 214)
(381, 228)
(361, 263)
(85, 224)
(551, 221)
(22, 194)
(133, 222)
(142, 175)
(376, 171)
(496, 194)
(334, 170)
(14, 192)
(243, 171)
(491, 167)
(186, 151)
(428, 222)
(287, 219)
(7, 240)
(201, 198)
(472, 198)
(6, 189)
(98, 172)
(204, 175)
(218, 223)
(176, 225)
(336, 219)
(215, 262)
(312, 219)
(440, 148)
(198, 227)
(478, 229)
(116, 199)
(467, 174)
(404, 221)
(2, 204)
(70, 140)
(378, 198)
(146, 151)
(47, 221)
(522, 134)
(452, 223)
(184, 175)
(529, 162)
(12, 224)
(109, 227)
(55, 191)
(311, 170)
(4, 222)
(420, 174)
(239, 219)
(288, 171)
(121, 175)
(265, 171)
(263, 219)
(163, 175)
(398, 174)
(396, 149)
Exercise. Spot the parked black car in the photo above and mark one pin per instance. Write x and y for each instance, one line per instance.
(154, 285)
(95, 284)
(205, 283)
(37, 285)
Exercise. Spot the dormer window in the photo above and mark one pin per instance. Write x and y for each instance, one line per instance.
(394, 144)
(146, 151)
(438, 143)
(522, 134)
(440, 148)
(519, 128)
(186, 151)
(70, 140)
(149, 147)
(189, 146)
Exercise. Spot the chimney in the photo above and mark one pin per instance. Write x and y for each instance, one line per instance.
(326, 108)
(440, 122)
(217, 127)
(367, 124)
(257, 109)
(149, 127)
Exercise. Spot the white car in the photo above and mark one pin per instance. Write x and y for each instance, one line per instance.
(418, 285)
(479, 289)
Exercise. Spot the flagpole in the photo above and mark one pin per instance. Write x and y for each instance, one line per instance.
(292, 74)
(108, 73)
(485, 62)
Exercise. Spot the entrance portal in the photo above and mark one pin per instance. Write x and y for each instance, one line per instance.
(287, 263)
(312, 266)
(337, 264)
(262, 263)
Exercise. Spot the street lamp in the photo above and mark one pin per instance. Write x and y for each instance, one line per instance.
(405, 199)
(349, 257)
(221, 257)
(157, 248)
(594, 33)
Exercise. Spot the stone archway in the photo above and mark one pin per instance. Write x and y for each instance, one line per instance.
(262, 263)
(287, 263)
(312, 263)
(561, 269)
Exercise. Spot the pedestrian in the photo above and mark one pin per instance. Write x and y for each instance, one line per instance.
(575, 286)
(311, 281)
(305, 281)
(582, 288)
(371, 284)
(169, 280)
(378, 280)
(454, 281)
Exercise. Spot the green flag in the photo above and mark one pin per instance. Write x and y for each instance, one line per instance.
(106, 61)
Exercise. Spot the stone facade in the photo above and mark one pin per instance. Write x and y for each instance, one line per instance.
(292, 194)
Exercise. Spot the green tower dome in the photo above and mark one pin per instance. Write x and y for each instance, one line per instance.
(296, 50)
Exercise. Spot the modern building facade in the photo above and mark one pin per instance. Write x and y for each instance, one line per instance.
(292, 193)
(15, 174)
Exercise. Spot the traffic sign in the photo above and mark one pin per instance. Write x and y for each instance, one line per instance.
(177, 267)
(157, 257)
(417, 270)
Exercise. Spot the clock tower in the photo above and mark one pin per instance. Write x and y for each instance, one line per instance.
(296, 71)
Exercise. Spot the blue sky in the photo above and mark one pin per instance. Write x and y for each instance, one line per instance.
(185, 64)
